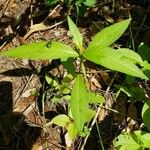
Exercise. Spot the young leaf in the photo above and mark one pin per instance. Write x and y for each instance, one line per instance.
(79, 102)
(77, 37)
(42, 50)
(111, 59)
(95, 98)
(108, 35)
(146, 114)
(131, 55)
(61, 120)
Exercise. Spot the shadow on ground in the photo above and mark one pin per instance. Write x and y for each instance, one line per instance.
(14, 131)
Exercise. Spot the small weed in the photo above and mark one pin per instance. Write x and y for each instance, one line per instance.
(99, 52)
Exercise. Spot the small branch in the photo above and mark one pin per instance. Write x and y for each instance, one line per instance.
(40, 27)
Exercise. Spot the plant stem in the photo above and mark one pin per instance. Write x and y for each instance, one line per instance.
(84, 73)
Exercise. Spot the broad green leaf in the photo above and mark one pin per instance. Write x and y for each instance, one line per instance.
(61, 120)
(146, 139)
(95, 98)
(79, 102)
(77, 37)
(108, 35)
(130, 54)
(111, 59)
(143, 138)
(127, 141)
(146, 114)
(72, 131)
(42, 50)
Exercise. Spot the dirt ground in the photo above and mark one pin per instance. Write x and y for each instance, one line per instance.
(22, 125)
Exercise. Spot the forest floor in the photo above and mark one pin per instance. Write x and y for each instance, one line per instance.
(22, 125)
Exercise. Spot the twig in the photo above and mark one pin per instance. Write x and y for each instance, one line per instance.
(40, 27)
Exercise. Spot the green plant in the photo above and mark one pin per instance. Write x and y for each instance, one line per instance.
(138, 140)
(99, 51)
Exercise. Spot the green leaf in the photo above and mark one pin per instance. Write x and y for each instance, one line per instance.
(69, 66)
(144, 51)
(143, 138)
(72, 131)
(128, 142)
(77, 37)
(138, 140)
(90, 114)
(130, 54)
(130, 80)
(61, 120)
(42, 50)
(146, 139)
(146, 65)
(65, 90)
(67, 79)
(48, 79)
(111, 59)
(90, 3)
(95, 98)
(67, 97)
(108, 35)
(137, 93)
(146, 114)
(79, 102)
